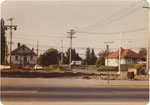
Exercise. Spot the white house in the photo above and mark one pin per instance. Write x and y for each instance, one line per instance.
(127, 57)
(23, 55)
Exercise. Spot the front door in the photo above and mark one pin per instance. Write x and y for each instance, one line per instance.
(25, 60)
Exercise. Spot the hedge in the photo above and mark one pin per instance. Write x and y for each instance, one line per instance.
(105, 68)
(124, 67)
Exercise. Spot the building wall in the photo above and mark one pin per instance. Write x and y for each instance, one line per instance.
(114, 62)
(20, 59)
(132, 61)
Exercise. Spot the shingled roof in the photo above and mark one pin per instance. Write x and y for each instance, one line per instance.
(16, 51)
(125, 53)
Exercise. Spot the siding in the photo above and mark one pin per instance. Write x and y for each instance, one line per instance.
(114, 62)
(21, 59)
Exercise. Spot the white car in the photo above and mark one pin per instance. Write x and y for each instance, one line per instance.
(38, 67)
(4, 67)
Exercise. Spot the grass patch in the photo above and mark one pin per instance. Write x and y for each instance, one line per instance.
(41, 73)
(105, 68)
(92, 67)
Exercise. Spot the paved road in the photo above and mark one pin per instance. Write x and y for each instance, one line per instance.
(70, 90)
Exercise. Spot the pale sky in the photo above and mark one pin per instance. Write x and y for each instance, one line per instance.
(48, 22)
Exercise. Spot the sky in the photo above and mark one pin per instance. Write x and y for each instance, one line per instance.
(95, 22)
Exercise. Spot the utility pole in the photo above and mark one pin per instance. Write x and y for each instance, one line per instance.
(71, 33)
(11, 27)
(147, 60)
(61, 52)
(37, 48)
(107, 48)
(6, 53)
(119, 53)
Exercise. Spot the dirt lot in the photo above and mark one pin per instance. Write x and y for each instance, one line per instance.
(66, 74)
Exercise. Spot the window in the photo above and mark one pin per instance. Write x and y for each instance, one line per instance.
(128, 60)
(16, 58)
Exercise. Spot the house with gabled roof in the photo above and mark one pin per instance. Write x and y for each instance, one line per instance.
(23, 55)
(127, 57)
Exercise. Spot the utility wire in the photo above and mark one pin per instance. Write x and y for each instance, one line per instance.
(109, 17)
(130, 11)
(94, 33)
(113, 33)
(43, 46)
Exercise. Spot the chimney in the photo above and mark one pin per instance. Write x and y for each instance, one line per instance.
(18, 45)
(32, 49)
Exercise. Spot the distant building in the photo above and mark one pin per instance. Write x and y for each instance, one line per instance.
(23, 55)
(127, 57)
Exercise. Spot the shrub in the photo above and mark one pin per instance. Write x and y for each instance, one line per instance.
(55, 66)
(124, 67)
(100, 61)
(138, 66)
(92, 67)
(105, 68)
(64, 69)
(51, 67)
(48, 68)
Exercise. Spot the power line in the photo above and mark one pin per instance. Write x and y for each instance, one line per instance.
(113, 33)
(44, 38)
(50, 46)
(84, 48)
(109, 17)
(93, 27)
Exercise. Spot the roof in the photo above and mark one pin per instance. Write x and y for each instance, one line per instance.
(125, 53)
(16, 51)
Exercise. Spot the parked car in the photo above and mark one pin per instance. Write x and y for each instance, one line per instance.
(76, 63)
(38, 67)
(4, 67)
